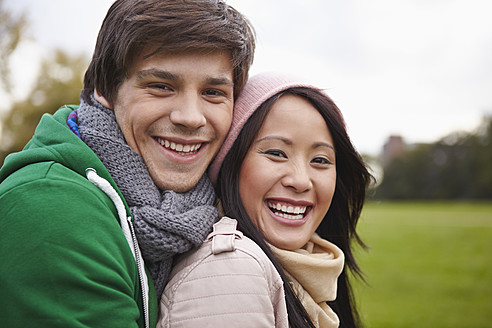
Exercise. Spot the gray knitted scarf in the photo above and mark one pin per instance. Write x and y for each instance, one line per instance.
(166, 222)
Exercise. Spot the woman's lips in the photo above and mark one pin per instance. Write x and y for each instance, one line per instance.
(288, 212)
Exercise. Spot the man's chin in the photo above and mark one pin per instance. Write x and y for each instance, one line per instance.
(178, 183)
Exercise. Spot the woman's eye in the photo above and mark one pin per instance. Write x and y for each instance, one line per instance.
(276, 153)
(321, 160)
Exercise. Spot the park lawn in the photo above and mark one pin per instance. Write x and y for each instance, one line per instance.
(429, 264)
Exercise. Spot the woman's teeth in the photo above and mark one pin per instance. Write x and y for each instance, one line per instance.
(287, 211)
(180, 148)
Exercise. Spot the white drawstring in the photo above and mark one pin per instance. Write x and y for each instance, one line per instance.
(127, 227)
(105, 186)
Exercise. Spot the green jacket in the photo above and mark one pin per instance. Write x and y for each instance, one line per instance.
(64, 259)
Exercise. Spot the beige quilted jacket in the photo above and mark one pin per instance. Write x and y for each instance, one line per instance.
(227, 282)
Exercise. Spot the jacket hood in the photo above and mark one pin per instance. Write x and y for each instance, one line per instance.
(53, 141)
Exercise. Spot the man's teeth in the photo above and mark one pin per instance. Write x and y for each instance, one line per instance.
(182, 149)
(288, 212)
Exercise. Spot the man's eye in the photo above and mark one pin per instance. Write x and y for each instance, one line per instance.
(214, 93)
(159, 86)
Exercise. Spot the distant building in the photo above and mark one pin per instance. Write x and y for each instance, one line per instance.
(394, 147)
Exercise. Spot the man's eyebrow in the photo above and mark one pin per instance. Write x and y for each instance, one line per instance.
(156, 73)
(166, 75)
(220, 81)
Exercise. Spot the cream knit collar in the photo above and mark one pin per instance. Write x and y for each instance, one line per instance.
(314, 270)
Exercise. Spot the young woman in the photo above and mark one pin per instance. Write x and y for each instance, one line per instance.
(290, 176)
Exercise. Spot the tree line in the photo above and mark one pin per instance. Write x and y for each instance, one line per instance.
(458, 166)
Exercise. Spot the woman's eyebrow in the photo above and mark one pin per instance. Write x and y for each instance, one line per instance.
(284, 140)
(289, 142)
(323, 144)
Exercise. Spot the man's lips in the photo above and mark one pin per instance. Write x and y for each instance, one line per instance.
(182, 149)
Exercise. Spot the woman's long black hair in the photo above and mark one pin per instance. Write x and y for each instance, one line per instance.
(339, 224)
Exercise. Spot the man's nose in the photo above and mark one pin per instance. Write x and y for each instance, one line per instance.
(188, 113)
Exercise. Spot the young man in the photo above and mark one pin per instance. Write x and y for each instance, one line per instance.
(123, 169)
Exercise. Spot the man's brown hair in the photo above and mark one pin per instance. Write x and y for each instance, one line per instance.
(174, 26)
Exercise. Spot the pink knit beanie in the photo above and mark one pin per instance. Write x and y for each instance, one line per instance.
(257, 90)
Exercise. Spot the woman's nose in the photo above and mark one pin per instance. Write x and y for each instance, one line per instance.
(297, 178)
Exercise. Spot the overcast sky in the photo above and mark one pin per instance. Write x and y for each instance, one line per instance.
(417, 68)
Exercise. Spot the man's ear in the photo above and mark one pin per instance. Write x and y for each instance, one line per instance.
(102, 100)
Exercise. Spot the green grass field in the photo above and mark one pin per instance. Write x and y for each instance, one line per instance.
(429, 265)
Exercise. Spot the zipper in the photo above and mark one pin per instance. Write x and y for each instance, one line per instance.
(144, 286)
